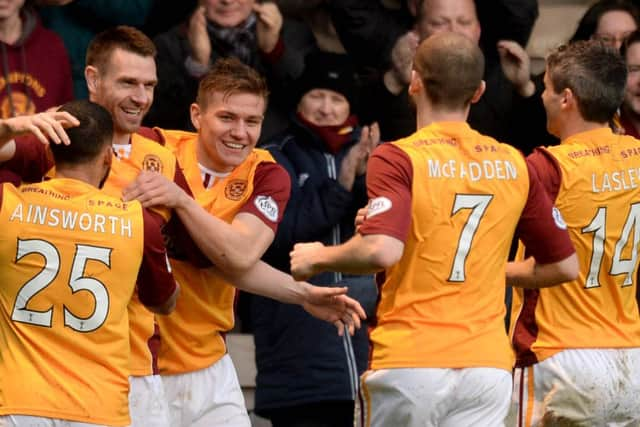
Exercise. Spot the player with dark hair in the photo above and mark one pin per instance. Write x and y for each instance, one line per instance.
(72, 256)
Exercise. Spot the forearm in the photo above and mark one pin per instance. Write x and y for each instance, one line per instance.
(532, 275)
(264, 280)
(360, 255)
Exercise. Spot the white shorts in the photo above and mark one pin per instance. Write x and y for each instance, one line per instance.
(29, 421)
(580, 387)
(208, 397)
(426, 397)
(148, 406)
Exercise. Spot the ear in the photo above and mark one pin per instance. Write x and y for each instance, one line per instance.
(415, 85)
(567, 99)
(479, 92)
(195, 115)
(91, 76)
(107, 155)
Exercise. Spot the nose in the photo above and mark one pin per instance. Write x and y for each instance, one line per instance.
(239, 129)
(140, 94)
(325, 106)
(456, 28)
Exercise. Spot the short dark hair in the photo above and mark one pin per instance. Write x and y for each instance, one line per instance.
(595, 73)
(451, 68)
(229, 76)
(589, 21)
(89, 138)
(122, 37)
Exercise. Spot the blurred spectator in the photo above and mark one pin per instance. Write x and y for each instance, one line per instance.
(307, 375)
(610, 21)
(253, 32)
(369, 30)
(78, 21)
(502, 112)
(36, 74)
(629, 118)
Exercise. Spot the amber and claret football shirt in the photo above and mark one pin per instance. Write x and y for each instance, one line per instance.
(193, 334)
(455, 198)
(71, 256)
(32, 161)
(594, 178)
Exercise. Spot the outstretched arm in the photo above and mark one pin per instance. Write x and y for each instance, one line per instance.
(216, 239)
(330, 304)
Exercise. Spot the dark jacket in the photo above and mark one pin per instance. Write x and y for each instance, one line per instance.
(301, 359)
(177, 88)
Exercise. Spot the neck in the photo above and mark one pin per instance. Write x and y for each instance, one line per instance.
(121, 138)
(10, 29)
(83, 173)
(573, 127)
(428, 114)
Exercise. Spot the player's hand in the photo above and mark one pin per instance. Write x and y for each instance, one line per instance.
(516, 66)
(153, 189)
(48, 126)
(303, 257)
(268, 25)
(333, 305)
(199, 37)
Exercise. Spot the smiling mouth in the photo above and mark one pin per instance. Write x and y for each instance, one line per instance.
(233, 145)
(132, 111)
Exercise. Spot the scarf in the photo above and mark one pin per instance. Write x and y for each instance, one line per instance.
(334, 137)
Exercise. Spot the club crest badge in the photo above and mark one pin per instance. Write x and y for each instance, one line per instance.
(152, 163)
(235, 189)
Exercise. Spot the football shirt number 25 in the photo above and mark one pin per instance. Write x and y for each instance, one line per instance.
(77, 281)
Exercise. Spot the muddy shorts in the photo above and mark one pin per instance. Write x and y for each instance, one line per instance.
(578, 387)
